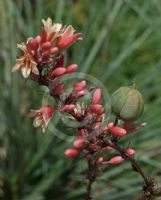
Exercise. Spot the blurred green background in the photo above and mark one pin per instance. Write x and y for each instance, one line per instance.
(122, 44)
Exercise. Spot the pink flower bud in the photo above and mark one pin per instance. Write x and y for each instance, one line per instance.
(96, 96)
(68, 108)
(130, 152)
(115, 160)
(38, 39)
(81, 93)
(58, 71)
(71, 153)
(59, 89)
(79, 143)
(71, 68)
(43, 36)
(79, 86)
(100, 161)
(108, 148)
(117, 131)
(96, 108)
(53, 50)
(67, 37)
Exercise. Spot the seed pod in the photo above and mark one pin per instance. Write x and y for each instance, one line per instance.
(127, 103)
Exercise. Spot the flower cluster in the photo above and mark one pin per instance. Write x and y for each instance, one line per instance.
(39, 51)
(43, 62)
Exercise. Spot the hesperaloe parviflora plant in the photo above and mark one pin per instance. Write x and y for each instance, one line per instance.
(42, 61)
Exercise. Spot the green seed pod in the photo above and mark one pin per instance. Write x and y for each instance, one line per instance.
(127, 103)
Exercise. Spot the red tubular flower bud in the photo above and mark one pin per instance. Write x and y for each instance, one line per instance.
(71, 153)
(79, 86)
(46, 54)
(33, 44)
(96, 96)
(43, 36)
(71, 68)
(100, 161)
(58, 71)
(46, 45)
(79, 143)
(117, 131)
(57, 90)
(130, 152)
(116, 160)
(68, 108)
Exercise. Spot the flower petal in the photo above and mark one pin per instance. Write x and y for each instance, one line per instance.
(25, 71)
(68, 31)
(38, 121)
(33, 113)
(16, 67)
(34, 69)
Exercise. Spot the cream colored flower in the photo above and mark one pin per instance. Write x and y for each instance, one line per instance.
(25, 63)
(50, 27)
(42, 116)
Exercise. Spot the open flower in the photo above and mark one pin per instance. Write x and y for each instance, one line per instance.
(50, 30)
(42, 116)
(49, 26)
(68, 37)
(25, 63)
